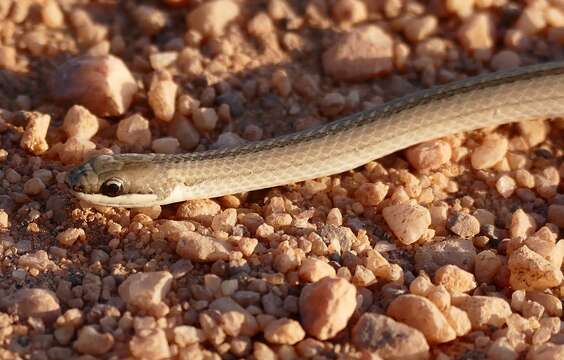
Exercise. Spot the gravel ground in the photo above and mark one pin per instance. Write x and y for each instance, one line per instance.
(448, 250)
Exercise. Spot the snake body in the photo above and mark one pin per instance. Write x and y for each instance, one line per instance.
(139, 180)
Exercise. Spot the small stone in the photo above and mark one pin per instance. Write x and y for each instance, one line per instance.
(371, 194)
(458, 320)
(505, 60)
(454, 279)
(420, 28)
(166, 145)
(281, 82)
(80, 123)
(212, 17)
(522, 224)
(550, 303)
(490, 152)
(487, 266)
(429, 155)
(313, 270)
(146, 290)
(556, 215)
(205, 119)
(134, 130)
(505, 186)
(530, 270)
(260, 25)
(477, 32)
(201, 248)
(185, 335)
(162, 96)
(462, 8)
(75, 150)
(534, 131)
(548, 351)
(408, 221)
(459, 252)
(102, 84)
(349, 11)
(150, 19)
(422, 314)
(463, 225)
(388, 338)
(326, 307)
(284, 331)
(37, 303)
(531, 21)
(362, 54)
(332, 104)
(90, 341)
(183, 130)
(484, 311)
(33, 186)
(69, 236)
(33, 138)
(201, 211)
(150, 344)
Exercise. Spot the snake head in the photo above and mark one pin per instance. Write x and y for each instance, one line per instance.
(112, 180)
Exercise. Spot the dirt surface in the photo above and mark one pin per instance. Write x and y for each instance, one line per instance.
(450, 249)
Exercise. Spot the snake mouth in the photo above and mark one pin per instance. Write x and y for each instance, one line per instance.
(127, 200)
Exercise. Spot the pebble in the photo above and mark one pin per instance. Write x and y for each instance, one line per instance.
(166, 145)
(408, 221)
(371, 194)
(454, 279)
(134, 130)
(326, 307)
(284, 331)
(349, 11)
(362, 54)
(33, 186)
(429, 155)
(201, 211)
(80, 123)
(420, 313)
(150, 344)
(556, 215)
(332, 104)
(249, 325)
(146, 290)
(484, 311)
(530, 270)
(459, 252)
(490, 152)
(459, 320)
(75, 150)
(201, 248)
(421, 28)
(534, 131)
(548, 351)
(7, 57)
(551, 303)
(388, 338)
(505, 60)
(313, 270)
(90, 341)
(462, 8)
(69, 236)
(211, 18)
(260, 25)
(505, 186)
(102, 84)
(205, 119)
(463, 225)
(522, 224)
(477, 32)
(38, 303)
(35, 133)
(150, 19)
(162, 96)
(531, 21)
(185, 335)
(488, 264)
(183, 130)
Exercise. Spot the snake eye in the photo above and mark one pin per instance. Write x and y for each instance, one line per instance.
(112, 187)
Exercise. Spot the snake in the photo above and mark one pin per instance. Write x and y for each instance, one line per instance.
(134, 180)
